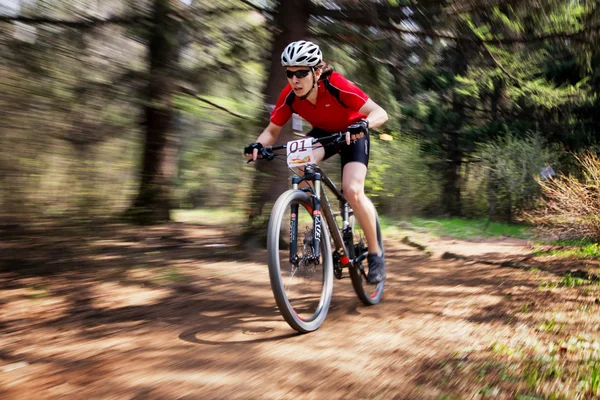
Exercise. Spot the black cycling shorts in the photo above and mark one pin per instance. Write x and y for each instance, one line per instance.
(357, 151)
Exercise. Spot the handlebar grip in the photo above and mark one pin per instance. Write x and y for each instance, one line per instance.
(265, 153)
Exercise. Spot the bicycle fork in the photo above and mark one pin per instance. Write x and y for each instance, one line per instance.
(315, 257)
(317, 214)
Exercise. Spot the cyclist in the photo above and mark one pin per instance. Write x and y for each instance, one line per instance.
(330, 103)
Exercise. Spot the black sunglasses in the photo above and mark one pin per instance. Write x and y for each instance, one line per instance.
(301, 73)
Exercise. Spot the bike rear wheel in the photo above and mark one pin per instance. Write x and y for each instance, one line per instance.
(367, 293)
(302, 289)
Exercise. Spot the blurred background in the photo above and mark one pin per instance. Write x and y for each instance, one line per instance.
(119, 114)
(139, 108)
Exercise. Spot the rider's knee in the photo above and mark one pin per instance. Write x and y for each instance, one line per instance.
(353, 191)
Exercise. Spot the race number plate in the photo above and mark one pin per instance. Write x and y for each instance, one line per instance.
(300, 152)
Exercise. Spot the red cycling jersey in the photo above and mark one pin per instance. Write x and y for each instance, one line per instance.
(328, 114)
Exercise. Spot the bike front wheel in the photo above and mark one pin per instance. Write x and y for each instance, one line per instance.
(302, 288)
(367, 293)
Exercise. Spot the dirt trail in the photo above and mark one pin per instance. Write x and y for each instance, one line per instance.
(209, 328)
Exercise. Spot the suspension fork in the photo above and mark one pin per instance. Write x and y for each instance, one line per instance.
(317, 230)
(311, 175)
(294, 234)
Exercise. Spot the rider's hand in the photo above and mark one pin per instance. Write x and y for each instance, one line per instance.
(252, 150)
(357, 131)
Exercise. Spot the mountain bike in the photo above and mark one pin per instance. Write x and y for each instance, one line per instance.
(309, 242)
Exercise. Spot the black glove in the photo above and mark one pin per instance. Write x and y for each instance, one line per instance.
(358, 127)
(250, 149)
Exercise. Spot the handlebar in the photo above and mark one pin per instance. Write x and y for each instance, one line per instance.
(335, 138)
(267, 153)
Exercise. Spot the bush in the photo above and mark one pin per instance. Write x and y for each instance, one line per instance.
(513, 165)
(571, 204)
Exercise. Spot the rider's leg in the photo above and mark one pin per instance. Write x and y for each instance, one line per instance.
(319, 153)
(353, 182)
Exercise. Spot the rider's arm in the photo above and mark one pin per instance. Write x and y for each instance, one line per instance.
(282, 112)
(375, 114)
(269, 135)
(266, 138)
(357, 100)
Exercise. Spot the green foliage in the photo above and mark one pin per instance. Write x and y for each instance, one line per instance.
(591, 250)
(503, 349)
(513, 164)
(173, 275)
(38, 292)
(399, 180)
(590, 381)
(470, 228)
(570, 281)
(541, 369)
(84, 89)
(550, 325)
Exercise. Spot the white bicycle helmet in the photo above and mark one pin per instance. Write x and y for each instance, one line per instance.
(301, 54)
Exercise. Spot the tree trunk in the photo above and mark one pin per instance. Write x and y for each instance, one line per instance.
(153, 202)
(451, 194)
(497, 94)
(272, 177)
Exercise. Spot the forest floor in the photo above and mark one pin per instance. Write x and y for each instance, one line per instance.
(179, 311)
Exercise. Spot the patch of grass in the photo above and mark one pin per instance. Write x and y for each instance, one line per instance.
(550, 325)
(570, 281)
(489, 391)
(528, 397)
(390, 226)
(469, 228)
(218, 216)
(585, 308)
(38, 292)
(590, 381)
(507, 374)
(541, 369)
(579, 250)
(483, 370)
(455, 227)
(502, 349)
(547, 285)
(581, 242)
(173, 275)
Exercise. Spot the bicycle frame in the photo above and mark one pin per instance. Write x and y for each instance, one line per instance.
(312, 172)
(322, 206)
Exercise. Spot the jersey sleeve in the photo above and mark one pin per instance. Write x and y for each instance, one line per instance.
(282, 112)
(350, 94)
